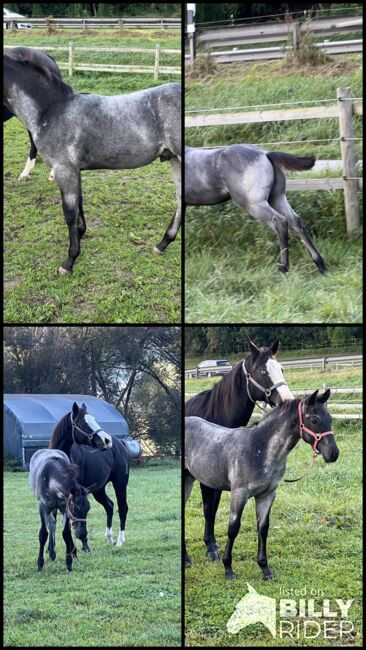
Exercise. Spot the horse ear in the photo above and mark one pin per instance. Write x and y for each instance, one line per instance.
(324, 397)
(75, 409)
(311, 398)
(83, 406)
(74, 469)
(274, 346)
(253, 348)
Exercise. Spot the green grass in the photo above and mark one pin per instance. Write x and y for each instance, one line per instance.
(117, 277)
(314, 543)
(114, 597)
(231, 259)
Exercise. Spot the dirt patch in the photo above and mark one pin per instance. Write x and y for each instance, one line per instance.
(11, 283)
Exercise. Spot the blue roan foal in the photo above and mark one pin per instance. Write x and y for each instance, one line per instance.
(53, 482)
(251, 461)
(254, 180)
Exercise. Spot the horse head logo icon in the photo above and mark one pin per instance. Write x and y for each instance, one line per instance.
(253, 608)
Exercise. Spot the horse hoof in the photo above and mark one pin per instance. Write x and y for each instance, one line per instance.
(212, 555)
(230, 575)
(156, 250)
(22, 178)
(268, 577)
(283, 268)
(63, 271)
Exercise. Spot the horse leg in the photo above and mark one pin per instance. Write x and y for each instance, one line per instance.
(52, 531)
(121, 494)
(237, 503)
(211, 500)
(297, 226)
(263, 506)
(54, 513)
(31, 160)
(107, 504)
(43, 534)
(81, 222)
(70, 547)
(171, 232)
(188, 483)
(69, 181)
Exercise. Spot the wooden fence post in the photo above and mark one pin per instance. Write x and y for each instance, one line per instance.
(348, 159)
(157, 57)
(296, 35)
(71, 59)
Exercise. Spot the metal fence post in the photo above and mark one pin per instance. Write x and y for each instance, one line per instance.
(348, 159)
(157, 57)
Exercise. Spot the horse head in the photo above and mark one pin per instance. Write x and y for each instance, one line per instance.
(86, 430)
(316, 426)
(264, 376)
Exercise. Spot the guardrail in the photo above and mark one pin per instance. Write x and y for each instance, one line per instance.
(318, 362)
(97, 23)
(287, 33)
(72, 66)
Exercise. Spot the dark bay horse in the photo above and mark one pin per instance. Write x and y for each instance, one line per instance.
(254, 180)
(75, 131)
(230, 403)
(45, 60)
(53, 481)
(251, 461)
(97, 466)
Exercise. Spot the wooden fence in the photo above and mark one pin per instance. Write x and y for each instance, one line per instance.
(96, 23)
(156, 69)
(343, 109)
(287, 33)
(337, 416)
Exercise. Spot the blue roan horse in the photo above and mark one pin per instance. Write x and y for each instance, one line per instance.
(251, 461)
(254, 180)
(53, 481)
(76, 434)
(74, 132)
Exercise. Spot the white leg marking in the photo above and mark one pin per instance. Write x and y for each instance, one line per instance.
(52, 175)
(27, 169)
(109, 535)
(121, 538)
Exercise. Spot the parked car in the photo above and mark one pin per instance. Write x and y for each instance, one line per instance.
(15, 24)
(210, 368)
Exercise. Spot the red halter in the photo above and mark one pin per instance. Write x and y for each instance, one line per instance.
(316, 436)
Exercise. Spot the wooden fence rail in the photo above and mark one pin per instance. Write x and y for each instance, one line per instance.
(343, 109)
(156, 69)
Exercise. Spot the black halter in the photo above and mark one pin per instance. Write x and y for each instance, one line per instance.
(267, 391)
(88, 435)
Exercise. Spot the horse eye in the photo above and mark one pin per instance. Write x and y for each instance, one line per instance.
(264, 372)
(314, 419)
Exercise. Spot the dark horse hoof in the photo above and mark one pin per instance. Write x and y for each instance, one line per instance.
(229, 574)
(212, 555)
(322, 267)
(269, 577)
(86, 548)
(283, 268)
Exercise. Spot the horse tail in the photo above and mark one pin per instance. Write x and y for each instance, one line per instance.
(289, 161)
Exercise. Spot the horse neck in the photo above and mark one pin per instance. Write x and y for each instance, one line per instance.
(30, 102)
(62, 436)
(238, 407)
(281, 429)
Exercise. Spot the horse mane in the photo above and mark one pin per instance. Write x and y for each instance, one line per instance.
(284, 408)
(217, 400)
(58, 435)
(26, 57)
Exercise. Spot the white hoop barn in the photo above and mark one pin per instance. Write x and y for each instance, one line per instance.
(29, 421)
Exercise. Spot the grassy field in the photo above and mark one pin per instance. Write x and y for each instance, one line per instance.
(117, 277)
(314, 540)
(114, 597)
(231, 259)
